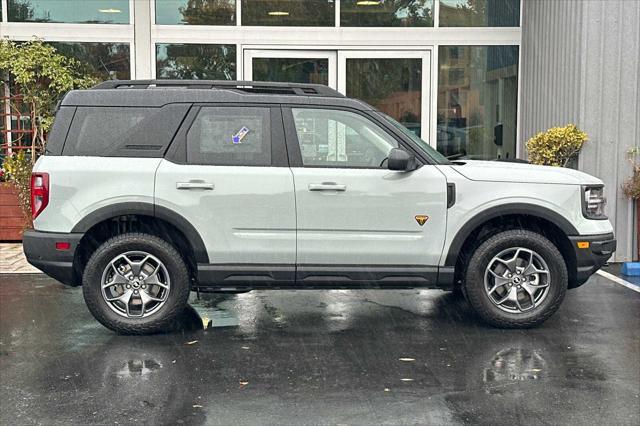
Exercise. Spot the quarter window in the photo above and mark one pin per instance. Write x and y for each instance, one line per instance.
(230, 136)
(335, 138)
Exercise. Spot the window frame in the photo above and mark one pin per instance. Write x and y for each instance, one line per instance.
(293, 144)
(177, 152)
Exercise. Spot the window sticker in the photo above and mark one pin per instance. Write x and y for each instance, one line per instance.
(237, 138)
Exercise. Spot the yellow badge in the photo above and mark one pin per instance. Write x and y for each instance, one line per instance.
(421, 219)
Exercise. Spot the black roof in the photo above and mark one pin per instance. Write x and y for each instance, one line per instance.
(154, 93)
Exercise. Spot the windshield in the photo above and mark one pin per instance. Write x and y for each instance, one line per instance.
(428, 149)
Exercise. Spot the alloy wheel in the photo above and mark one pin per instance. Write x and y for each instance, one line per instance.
(517, 280)
(135, 284)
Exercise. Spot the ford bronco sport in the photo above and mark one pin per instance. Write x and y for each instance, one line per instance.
(152, 189)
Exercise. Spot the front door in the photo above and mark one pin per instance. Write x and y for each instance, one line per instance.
(357, 220)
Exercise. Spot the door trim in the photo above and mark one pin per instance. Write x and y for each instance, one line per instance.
(309, 276)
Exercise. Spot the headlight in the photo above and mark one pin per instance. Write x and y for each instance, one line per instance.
(593, 202)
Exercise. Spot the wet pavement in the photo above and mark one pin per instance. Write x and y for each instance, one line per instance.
(319, 357)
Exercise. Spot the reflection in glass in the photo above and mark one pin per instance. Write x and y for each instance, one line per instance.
(394, 86)
(196, 12)
(479, 13)
(196, 61)
(69, 11)
(294, 70)
(477, 100)
(106, 61)
(386, 13)
(301, 13)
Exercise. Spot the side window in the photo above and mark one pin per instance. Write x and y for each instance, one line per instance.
(123, 131)
(335, 138)
(230, 136)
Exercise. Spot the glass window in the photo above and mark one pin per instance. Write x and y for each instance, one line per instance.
(122, 131)
(196, 12)
(69, 11)
(334, 138)
(301, 13)
(386, 13)
(105, 61)
(95, 130)
(479, 13)
(393, 85)
(230, 136)
(293, 70)
(477, 101)
(196, 61)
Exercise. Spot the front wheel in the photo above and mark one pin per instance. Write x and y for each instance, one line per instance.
(516, 279)
(136, 284)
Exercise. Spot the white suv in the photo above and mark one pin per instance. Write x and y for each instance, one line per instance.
(151, 189)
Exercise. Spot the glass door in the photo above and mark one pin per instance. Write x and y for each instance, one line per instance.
(397, 82)
(297, 66)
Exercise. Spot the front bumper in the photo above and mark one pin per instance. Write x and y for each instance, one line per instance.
(591, 257)
(40, 249)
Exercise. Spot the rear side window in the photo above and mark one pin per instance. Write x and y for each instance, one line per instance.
(230, 136)
(122, 131)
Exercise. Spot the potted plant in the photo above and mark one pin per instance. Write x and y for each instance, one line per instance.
(558, 146)
(631, 188)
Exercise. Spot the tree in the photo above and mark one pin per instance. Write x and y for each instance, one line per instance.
(209, 12)
(41, 76)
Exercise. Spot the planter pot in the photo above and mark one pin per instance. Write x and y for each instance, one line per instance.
(12, 219)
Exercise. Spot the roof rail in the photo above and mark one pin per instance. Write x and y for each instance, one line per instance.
(259, 87)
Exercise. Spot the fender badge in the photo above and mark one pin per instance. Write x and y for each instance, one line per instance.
(421, 219)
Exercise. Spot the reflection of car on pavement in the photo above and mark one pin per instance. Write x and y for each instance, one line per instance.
(152, 189)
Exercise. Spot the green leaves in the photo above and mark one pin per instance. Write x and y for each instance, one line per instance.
(42, 76)
(557, 146)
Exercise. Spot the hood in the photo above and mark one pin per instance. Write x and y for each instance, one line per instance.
(503, 171)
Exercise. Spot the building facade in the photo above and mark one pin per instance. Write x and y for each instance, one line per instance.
(453, 71)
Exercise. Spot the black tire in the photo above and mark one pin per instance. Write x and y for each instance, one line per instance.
(165, 316)
(485, 252)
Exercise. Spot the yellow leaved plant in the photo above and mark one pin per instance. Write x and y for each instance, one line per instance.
(557, 146)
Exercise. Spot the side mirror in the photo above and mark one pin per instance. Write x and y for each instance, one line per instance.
(401, 160)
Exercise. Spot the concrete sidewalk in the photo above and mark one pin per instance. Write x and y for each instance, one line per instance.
(12, 260)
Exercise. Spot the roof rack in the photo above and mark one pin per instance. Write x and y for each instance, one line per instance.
(258, 87)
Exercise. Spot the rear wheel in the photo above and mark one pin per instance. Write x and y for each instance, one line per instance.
(516, 279)
(136, 284)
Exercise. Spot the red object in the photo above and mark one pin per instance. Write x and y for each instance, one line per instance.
(13, 220)
(63, 245)
(39, 193)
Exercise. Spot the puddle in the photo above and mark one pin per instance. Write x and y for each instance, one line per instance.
(515, 365)
(138, 367)
(212, 315)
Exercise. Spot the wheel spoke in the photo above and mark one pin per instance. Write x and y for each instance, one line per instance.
(117, 278)
(509, 264)
(124, 297)
(153, 279)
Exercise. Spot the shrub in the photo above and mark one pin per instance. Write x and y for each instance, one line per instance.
(631, 187)
(41, 75)
(557, 146)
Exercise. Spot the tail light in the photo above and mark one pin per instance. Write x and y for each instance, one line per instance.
(39, 193)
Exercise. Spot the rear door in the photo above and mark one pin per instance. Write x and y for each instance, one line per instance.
(228, 175)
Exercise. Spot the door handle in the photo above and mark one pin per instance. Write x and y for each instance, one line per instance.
(327, 186)
(195, 184)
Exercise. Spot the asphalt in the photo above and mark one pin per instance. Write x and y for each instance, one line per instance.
(319, 357)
